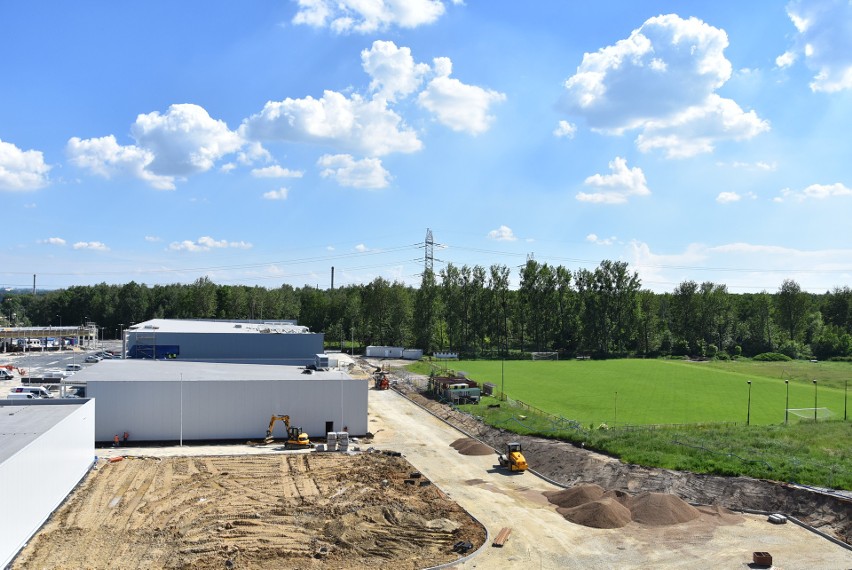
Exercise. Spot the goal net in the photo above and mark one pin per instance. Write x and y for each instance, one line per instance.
(545, 355)
(811, 413)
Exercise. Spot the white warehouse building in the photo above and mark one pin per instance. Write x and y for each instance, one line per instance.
(46, 448)
(246, 342)
(172, 400)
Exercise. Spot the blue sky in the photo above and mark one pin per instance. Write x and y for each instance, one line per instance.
(265, 142)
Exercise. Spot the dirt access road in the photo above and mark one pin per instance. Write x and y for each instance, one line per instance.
(542, 538)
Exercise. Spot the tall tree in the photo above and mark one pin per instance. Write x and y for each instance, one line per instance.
(791, 307)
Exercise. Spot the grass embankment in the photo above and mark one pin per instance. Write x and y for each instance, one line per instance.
(672, 392)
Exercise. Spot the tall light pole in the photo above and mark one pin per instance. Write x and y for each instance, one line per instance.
(845, 398)
(815, 400)
(748, 413)
(61, 339)
(787, 405)
(505, 350)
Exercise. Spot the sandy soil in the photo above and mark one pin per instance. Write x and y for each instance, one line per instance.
(262, 511)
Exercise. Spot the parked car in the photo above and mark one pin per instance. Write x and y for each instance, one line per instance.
(93, 358)
(73, 368)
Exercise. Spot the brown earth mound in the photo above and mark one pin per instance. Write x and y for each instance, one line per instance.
(658, 509)
(604, 513)
(721, 515)
(468, 446)
(620, 496)
(575, 496)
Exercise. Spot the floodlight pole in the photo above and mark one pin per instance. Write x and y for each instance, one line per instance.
(748, 413)
(505, 350)
(815, 400)
(845, 398)
(787, 406)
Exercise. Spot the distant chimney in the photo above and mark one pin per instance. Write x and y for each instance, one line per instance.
(332, 277)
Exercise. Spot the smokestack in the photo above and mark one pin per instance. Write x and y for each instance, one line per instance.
(34, 276)
(332, 277)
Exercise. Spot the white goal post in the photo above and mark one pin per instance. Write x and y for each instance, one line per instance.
(811, 413)
(545, 355)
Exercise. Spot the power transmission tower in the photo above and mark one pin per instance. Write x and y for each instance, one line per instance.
(429, 253)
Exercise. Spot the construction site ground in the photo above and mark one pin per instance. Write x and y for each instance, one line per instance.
(243, 506)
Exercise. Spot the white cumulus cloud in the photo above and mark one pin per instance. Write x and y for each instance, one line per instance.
(728, 197)
(825, 40)
(661, 80)
(392, 70)
(617, 187)
(280, 194)
(22, 170)
(816, 192)
(93, 245)
(105, 157)
(361, 248)
(565, 129)
(593, 238)
(276, 172)
(354, 124)
(459, 106)
(183, 141)
(364, 173)
(366, 16)
(53, 241)
(206, 243)
(503, 233)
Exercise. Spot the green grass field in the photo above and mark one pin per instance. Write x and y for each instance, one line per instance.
(632, 391)
(700, 397)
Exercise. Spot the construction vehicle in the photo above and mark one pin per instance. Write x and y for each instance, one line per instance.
(513, 459)
(382, 382)
(296, 438)
(380, 378)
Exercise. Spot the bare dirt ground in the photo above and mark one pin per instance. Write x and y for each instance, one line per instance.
(261, 511)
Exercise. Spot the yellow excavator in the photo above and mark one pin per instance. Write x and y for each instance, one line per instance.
(296, 438)
(513, 459)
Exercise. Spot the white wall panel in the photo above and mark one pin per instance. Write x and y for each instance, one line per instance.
(152, 411)
(35, 481)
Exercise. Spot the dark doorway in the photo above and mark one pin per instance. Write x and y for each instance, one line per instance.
(329, 426)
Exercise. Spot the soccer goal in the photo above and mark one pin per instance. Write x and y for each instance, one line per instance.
(545, 355)
(811, 413)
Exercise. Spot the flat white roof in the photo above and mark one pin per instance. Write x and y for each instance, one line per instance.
(23, 421)
(130, 370)
(202, 326)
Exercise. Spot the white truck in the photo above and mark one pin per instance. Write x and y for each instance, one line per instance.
(6, 374)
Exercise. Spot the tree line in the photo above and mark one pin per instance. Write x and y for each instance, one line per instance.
(471, 310)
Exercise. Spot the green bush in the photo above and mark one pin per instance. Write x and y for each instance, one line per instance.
(772, 357)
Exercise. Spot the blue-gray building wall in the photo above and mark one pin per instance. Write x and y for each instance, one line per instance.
(296, 349)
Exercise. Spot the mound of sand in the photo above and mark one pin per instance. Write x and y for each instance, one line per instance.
(721, 515)
(658, 509)
(468, 446)
(603, 513)
(575, 496)
(620, 496)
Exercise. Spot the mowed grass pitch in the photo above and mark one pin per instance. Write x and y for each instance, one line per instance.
(635, 391)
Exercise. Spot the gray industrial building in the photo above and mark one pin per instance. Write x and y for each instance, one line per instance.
(46, 448)
(245, 342)
(174, 400)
